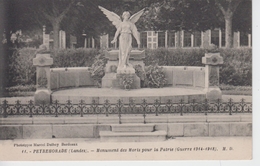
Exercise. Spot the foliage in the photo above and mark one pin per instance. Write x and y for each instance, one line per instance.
(212, 48)
(236, 70)
(127, 81)
(21, 88)
(80, 57)
(72, 16)
(228, 9)
(236, 90)
(174, 57)
(237, 67)
(192, 15)
(242, 20)
(97, 69)
(21, 70)
(155, 76)
(141, 74)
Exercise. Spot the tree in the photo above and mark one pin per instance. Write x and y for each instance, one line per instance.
(73, 16)
(228, 8)
(53, 11)
(242, 20)
(201, 15)
(189, 15)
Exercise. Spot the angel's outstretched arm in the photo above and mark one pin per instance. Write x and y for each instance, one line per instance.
(116, 34)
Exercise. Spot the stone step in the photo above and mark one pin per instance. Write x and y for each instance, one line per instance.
(132, 127)
(110, 136)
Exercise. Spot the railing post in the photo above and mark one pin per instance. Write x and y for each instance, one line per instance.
(212, 62)
(42, 61)
(144, 106)
(4, 107)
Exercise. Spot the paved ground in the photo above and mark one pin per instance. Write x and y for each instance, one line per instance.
(95, 92)
(167, 91)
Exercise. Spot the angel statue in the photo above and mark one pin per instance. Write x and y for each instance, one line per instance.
(125, 28)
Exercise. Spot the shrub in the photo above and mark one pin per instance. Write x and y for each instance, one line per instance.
(237, 67)
(21, 70)
(141, 74)
(236, 70)
(81, 57)
(155, 77)
(174, 57)
(21, 88)
(127, 81)
(97, 69)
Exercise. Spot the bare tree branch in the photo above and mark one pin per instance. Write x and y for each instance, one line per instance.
(55, 10)
(48, 17)
(61, 16)
(234, 6)
(220, 7)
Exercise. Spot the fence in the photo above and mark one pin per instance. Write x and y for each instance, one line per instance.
(82, 109)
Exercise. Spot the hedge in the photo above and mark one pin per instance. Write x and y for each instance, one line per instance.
(22, 72)
(20, 67)
(236, 70)
(80, 57)
(174, 57)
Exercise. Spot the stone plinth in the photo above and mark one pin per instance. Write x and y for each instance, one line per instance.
(115, 77)
(43, 81)
(212, 62)
(134, 55)
(132, 128)
(133, 133)
(127, 75)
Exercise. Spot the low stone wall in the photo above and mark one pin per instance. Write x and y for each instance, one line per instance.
(80, 76)
(185, 76)
(89, 127)
(70, 77)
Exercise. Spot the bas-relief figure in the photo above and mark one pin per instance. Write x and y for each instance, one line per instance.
(125, 29)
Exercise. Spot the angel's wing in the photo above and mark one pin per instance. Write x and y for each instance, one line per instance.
(135, 17)
(113, 17)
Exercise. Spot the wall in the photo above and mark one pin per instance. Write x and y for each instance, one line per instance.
(70, 77)
(80, 76)
(205, 40)
(185, 76)
(90, 126)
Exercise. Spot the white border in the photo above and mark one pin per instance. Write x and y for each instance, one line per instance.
(256, 125)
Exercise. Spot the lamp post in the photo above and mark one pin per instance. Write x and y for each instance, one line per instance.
(85, 39)
(43, 34)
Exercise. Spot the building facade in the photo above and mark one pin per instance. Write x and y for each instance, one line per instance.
(182, 39)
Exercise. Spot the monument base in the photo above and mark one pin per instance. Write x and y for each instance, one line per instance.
(213, 93)
(42, 96)
(122, 77)
(128, 81)
(115, 80)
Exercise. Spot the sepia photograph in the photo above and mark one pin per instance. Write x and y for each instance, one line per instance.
(126, 80)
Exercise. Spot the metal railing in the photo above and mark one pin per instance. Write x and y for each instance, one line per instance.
(82, 109)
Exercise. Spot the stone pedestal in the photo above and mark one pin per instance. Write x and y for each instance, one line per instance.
(43, 91)
(212, 62)
(114, 77)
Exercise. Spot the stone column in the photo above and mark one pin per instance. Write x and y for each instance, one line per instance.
(212, 62)
(43, 91)
(113, 76)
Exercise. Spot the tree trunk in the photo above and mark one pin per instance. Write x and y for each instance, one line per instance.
(56, 28)
(228, 27)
